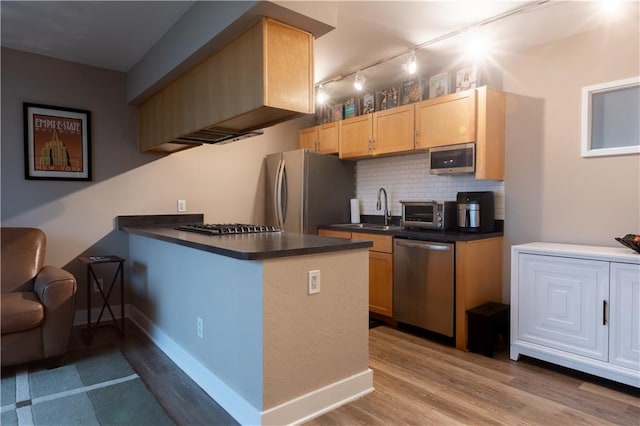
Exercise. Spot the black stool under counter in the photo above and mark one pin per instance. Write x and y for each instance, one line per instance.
(485, 323)
(104, 292)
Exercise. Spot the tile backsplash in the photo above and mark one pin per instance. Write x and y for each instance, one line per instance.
(407, 178)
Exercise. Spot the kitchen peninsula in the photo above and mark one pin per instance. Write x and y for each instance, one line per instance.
(233, 311)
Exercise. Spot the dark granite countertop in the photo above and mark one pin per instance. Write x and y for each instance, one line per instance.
(240, 246)
(421, 234)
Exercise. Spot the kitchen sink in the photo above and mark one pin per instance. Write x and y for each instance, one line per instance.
(369, 226)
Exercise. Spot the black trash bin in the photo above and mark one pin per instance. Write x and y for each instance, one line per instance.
(484, 324)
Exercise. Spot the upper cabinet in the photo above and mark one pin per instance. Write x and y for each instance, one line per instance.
(356, 136)
(470, 116)
(446, 120)
(322, 139)
(476, 115)
(263, 77)
(490, 122)
(393, 130)
(383, 132)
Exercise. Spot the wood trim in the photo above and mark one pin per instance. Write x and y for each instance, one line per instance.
(478, 279)
(332, 233)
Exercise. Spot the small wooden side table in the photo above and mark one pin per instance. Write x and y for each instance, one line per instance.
(91, 261)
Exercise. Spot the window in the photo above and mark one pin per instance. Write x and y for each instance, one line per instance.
(611, 118)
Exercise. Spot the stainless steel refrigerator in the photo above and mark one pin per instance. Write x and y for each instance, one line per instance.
(305, 190)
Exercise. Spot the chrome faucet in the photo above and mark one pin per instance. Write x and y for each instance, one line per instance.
(387, 215)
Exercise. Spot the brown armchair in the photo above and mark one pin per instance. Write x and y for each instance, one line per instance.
(37, 301)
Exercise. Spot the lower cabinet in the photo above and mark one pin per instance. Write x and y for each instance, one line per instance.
(380, 268)
(577, 306)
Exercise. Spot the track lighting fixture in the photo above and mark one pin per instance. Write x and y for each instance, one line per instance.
(359, 81)
(412, 66)
(321, 95)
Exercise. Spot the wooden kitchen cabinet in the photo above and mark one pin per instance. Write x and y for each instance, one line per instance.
(478, 279)
(470, 116)
(490, 123)
(322, 138)
(356, 135)
(308, 138)
(383, 132)
(446, 120)
(380, 272)
(260, 78)
(393, 130)
(380, 268)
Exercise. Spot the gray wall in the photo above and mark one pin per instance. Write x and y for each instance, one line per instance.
(222, 181)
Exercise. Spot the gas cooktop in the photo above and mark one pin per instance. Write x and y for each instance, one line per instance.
(226, 228)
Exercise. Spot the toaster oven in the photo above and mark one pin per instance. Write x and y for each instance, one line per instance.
(439, 215)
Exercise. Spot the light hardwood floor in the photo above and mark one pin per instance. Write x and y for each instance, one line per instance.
(417, 382)
(420, 382)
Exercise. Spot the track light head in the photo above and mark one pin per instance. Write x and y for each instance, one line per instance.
(412, 65)
(359, 81)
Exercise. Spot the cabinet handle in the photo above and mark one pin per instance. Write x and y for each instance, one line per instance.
(604, 312)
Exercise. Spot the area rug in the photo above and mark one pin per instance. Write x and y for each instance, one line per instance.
(101, 389)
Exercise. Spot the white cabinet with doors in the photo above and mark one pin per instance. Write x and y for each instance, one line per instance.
(577, 306)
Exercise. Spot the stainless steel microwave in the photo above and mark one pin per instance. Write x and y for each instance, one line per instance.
(452, 159)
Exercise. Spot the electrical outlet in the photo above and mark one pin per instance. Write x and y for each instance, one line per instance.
(182, 206)
(199, 327)
(313, 283)
(97, 285)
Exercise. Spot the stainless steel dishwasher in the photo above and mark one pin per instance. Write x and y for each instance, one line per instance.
(423, 284)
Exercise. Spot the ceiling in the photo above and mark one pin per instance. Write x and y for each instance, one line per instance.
(116, 35)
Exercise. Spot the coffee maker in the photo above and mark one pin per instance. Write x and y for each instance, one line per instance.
(476, 212)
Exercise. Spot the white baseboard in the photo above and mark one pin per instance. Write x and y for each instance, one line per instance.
(295, 411)
(314, 404)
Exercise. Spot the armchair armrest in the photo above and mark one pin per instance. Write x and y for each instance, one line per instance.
(56, 289)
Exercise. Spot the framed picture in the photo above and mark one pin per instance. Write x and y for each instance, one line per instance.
(57, 143)
(387, 98)
(368, 103)
(411, 92)
(336, 112)
(350, 108)
(439, 85)
(466, 78)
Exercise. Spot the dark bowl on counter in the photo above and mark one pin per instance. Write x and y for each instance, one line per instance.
(628, 241)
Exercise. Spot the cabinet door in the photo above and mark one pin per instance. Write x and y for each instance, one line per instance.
(328, 135)
(308, 138)
(355, 136)
(380, 272)
(560, 304)
(624, 315)
(446, 120)
(393, 130)
(381, 283)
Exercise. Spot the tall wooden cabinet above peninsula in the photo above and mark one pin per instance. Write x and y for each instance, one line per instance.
(262, 77)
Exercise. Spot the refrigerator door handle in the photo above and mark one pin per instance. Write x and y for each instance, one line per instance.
(277, 190)
(285, 195)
